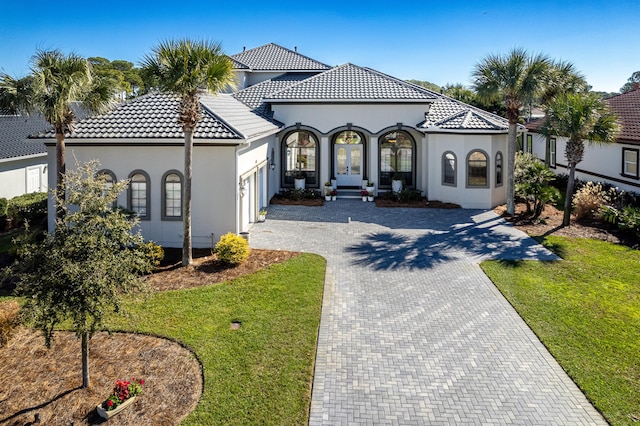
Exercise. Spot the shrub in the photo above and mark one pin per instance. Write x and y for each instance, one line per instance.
(153, 252)
(532, 179)
(9, 320)
(3, 211)
(588, 200)
(30, 207)
(626, 219)
(232, 249)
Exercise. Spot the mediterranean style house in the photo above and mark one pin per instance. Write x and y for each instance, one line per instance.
(616, 164)
(290, 116)
(23, 162)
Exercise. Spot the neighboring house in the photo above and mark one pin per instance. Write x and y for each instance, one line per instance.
(617, 164)
(292, 115)
(23, 162)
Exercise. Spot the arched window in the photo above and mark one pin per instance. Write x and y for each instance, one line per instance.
(499, 169)
(396, 157)
(449, 168)
(172, 195)
(300, 157)
(109, 180)
(140, 194)
(477, 169)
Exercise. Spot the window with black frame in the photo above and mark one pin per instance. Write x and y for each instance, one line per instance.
(396, 158)
(300, 158)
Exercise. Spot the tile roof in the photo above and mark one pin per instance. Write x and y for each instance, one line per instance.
(14, 130)
(627, 107)
(272, 57)
(350, 82)
(155, 116)
(451, 114)
(253, 96)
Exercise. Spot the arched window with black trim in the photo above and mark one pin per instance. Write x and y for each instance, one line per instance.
(172, 195)
(300, 157)
(139, 194)
(449, 169)
(499, 169)
(397, 157)
(477, 169)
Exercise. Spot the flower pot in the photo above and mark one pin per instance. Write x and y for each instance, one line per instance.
(370, 199)
(299, 183)
(370, 189)
(334, 197)
(327, 197)
(108, 414)
(262, 217)
(396, 185)
(364, 198)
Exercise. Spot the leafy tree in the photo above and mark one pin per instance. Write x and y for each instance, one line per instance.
(187, 69)
(127, 77)
(511, 79)
(81, 271)
(460, 92)
(532, 180)
(579, 117)
(57, 82)
(632, 83)
(426, 85)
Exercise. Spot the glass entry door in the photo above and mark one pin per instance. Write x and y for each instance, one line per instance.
(348, 161)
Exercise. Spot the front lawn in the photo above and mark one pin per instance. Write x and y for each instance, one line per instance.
(586, 310)
(262, 372)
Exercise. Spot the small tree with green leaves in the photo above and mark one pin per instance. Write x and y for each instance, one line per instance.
(80, 272)
(532, 183)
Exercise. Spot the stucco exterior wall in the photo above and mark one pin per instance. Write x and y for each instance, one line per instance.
(601, 163)
(461, 145)
(214, 186)
(373, 118)
(13, 175)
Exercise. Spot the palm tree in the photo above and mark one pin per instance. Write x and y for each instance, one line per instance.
(561, 78)
(57, 82)
(187, 69)
(512, 79)
(579, 117)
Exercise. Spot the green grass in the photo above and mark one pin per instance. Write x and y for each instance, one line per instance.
(586, 310)
(261, 373)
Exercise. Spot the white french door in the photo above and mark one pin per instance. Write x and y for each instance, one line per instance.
(348, 161)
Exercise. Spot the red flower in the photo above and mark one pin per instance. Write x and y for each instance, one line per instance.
(141, 382)
(109, 403)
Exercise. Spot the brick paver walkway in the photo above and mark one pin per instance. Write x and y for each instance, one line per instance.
(412, 331)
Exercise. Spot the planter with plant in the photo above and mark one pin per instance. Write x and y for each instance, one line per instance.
(397, 182)
(370, 196)
(299, 180)
(328, 187)
(262, 215)
(364, 194)
(334, 194)
(124, 394)
(371, 187)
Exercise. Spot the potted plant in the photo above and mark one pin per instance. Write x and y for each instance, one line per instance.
(370, 196)
(364, 194)
(262, 215)
(328, 187)
(124, 394)
(397, 182)
(299, 180)
(370, 186)
(334, 194)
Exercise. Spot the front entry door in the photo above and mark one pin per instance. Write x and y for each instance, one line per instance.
(348, 160)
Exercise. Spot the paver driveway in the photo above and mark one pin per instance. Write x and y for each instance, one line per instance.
(412, 331)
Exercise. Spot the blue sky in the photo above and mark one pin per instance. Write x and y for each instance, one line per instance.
(437, 41)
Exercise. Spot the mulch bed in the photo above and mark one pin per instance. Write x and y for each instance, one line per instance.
(312, 202)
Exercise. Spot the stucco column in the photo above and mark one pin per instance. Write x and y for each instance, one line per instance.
(374, 163)
(423, 167)
(325, 160)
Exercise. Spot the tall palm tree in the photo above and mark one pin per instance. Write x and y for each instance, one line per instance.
(512, 79)
(561, 78)
(188, 69)
(579, 117)
(56, 83)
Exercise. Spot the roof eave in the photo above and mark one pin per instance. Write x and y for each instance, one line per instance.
(22, 157)
(347, 101)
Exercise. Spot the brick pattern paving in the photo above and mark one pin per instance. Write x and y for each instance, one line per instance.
(412, 331)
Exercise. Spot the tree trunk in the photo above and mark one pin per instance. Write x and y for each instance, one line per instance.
(85, 359)
(511, 160)
(566, 219)
(61, 169)
(186, 199)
